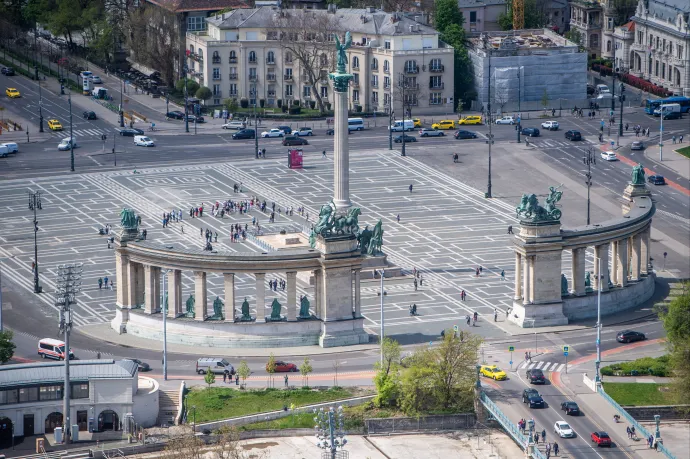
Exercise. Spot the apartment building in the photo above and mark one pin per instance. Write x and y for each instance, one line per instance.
(660, 52)
(482, 15)
(586, 19)
(243, 54)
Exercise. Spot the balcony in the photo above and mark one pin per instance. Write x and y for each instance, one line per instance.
(435, 102)
(270, 61)
(437, 69)
(412, 70)
(354, 84)
(232, 76)
(215, 77)
(375, 68)
(374, 84)
(252, 61)
(270, 77)
(387, 71)
(216, 59)
(288, 61)
(355, 68)
(387, 86)
(271, 93)
(677, 62)
(253, 77)
(287, 77)
(436, 85)
(218, 94)
(412, 87)
(233, 60)
(232, 93)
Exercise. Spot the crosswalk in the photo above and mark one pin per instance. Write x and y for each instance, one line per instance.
(551, 143)
(543, 366)
(96, 133)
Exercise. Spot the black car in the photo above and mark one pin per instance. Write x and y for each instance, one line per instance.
(331, 131)
(176, 115)
(244, 134)
(294, 140)
(405, 138)
(590, 90)
(465, 135)
(142, 366)
(285, 129)
(535, 401)
(131, 132)
(628, 336)
(194, 118)
(9, 71)
(535, 376)
(656, 180)
(673, 115)
(570, 408)
(90, 115)
(573, 135)
(531, 132)
(527, 393)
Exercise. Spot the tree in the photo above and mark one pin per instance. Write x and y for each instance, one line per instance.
(447, 13)
(228, 446)
(244, 372)
(387, 375)
(545, 99)
(209, 377)
(7, 347)
(192, 86)
(455, 36)
(305, 369)
(185, 445)
(676, 321)
(203, 93)
(153, 41)
(536, 15)
(575, 36)
(271, 368)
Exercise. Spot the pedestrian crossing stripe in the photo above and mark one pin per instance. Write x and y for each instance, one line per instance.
(544, 366)
(81, 133)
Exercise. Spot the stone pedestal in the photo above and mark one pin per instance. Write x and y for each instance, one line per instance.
(631, 192)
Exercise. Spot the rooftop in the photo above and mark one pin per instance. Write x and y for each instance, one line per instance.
(532, 39)
(80, 370)
(181, 6)
(478, 3)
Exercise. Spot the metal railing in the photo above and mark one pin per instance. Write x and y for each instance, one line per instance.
(261, 244)
(506, 423)
(421, 423)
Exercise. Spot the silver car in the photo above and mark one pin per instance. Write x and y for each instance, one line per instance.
(637, 145)
(428, 132)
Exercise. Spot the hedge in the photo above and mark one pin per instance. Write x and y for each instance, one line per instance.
(646, 366)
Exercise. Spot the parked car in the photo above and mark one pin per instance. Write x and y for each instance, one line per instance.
(143, 141)
(54, 125)
(591, 90)
(505, 120)
(331, 131)
(601, 438)
(405, 138)
(195, 119)
(12, 93)
(275, 132)
(656, 180)
(465, 135)
(426, 132)
(244, 134)
(12, 147)
(471, 119)
(527, 393)
(66, 144)
(550, 125)
(175, 114)
(573, 135)
(628, 336)
(131, 132)
(563, 429)
(493, 372)
(535, 376)
(637, 145)
(444, 124)
(234, 125)
(142, 366)
(89, 115)
(303, 131)
(294, 140)
(531, 132)
(570, 408)
(284, 367)
(96, 79)
(7, 71)
(285, 129)
(608, 155)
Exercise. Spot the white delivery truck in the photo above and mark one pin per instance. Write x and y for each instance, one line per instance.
(667, 108)
(401, 126)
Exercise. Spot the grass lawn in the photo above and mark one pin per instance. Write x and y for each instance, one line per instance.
(638, 394)
(222, 403)
(685, 151)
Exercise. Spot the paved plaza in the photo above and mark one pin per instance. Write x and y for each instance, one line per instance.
(446, 230)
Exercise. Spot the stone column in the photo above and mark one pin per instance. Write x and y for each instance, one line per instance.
(578, 269)
(174, 293)
(518, 276)
(152, 279)
(318, 288)
(200, 299)
(622, 255)
(341, 162)
(636, 256)
(601, 252)
(139, 285)
(526, 281)
(358, 299)
(260, 297)
(531, 278)
(122, 276)
(132, 284)
(229, 284)
(291, 306)
(614, 263)
(644, 252)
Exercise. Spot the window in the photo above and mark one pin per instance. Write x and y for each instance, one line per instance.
(663, 71)
(435, 98)
(216, 57)
(386, 67)
(355, 78)
(375, 81)
(411, 99)
(324, 91)
(656, 71)
(386, 82)
(609, 23)
(375, 98)
(288, 74)
(608, 46)
(216, 90)
(233, 89)
(593, 41)
(387, 44)
(473, 17)
(288, 90)
(233, 57)
(435, 82)
(80, 390)
(306, 91)
(252, 57)
(355, 95)
(355, 62)
(679, 51)
(411, 67)
(272, 35)
(28, 394)
(386, 99)
(288, 57)
(640, 37)
(427, 43)
(324, 60)
(374, 64)
(331, 37)
(252, 36)
(270, 57)
(196, 23)
(271, 90)
(216, 73)
(435, 65)
(50, 393)
(252, 73)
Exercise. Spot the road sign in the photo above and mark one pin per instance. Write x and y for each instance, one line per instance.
(455, 327)
(613, 143)
(565, 353)
(511, 348)
(511, 362)
(566, 348)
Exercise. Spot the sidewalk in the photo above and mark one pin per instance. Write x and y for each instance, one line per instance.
(672, 160)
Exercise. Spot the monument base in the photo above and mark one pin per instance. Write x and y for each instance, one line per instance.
(631, 192)
(537, 315)
(343, 333)
(119, 323)
(373, 263)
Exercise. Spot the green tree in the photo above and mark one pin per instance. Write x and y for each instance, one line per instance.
(209, 377)
(231, 105)
(676, 321)
(455, 36)
(447, 13)
(575, 36)
(244, 372)
(203, 93)
(536, 16)
(545, 99)
(387, 375)
(305, 369)
(192, 86)
(7, 347)
(271, 368)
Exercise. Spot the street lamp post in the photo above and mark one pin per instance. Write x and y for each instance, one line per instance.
(186, 103)
(621, 99)
(519, 120)
(391, 118)
(490, 141)
(252, 94)
(71, 132)
(589, 159)
(35, 204)
(122, 108)
(382, 272)
(402, 84)
(40, 102)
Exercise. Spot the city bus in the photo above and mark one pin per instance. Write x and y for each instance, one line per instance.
(653, 104)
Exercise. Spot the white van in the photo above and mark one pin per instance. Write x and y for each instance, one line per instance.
(216, 364)
(602, 88)
(143, 141)
(11, 147)
(666, 108)
(355, 124)
(53, 349)
(400, 125)
(4, 151)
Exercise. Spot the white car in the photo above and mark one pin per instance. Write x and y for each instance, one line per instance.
(273, 133)
(608, 156)
(96, 80)
(65, 144)
(563, 429)
(306, 131)
(550, 125)
(143, 141)
(505, 120)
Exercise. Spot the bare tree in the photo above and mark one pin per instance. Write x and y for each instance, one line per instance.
(153, 38)
(228, 446)
(184, 446)
(306, 36)
(500, 93)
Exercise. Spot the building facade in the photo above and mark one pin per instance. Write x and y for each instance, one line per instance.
(482, 15)
(623, 38)
(660, 52)
(586, 20)
(242, 55)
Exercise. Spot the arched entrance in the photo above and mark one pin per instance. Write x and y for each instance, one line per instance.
(108, 420)
(53, 420)
(5, 432)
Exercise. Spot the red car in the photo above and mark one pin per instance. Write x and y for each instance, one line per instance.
(601, 438)
(284, 367)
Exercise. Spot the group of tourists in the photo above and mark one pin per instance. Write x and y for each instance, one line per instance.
(277, 283)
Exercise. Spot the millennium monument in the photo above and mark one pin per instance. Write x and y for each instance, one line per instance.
(545, 296)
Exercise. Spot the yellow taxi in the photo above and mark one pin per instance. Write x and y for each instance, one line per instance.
(54, 125)
(493, 372)
(444, 124)
(471, 119)
(12, 93)
(417, 122)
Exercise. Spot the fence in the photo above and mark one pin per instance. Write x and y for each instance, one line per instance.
(631, 420)
(422, 423)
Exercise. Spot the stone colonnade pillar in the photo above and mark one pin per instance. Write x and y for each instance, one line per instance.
(174, 293)
(578, 270)
(318, 289)
(614, 263)
(622, 255)
(636, 256)
(229, 285)
(291, 306)
(526, 281)
(644, 257)
(133, 287)
(152, 281)
(518, 276)
(531, 278)
(601, 252)
(123, 280)
(260, 297)
(358, 299)
(200, 299)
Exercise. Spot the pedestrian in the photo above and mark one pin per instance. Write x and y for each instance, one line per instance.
(536, 438)
(543, 435)
(476, 272)
(397, 218)
(467, 317)
(323, 154)
(510, 229)
(680, 139)
(503, 275)
(215, 236)
(108, 243)
(286, 380)
(421, 280)
(201, 232)
(674, 139)
(495, 315)
(105, 281)
(526, 356)
(415, 285)
(100, 283)
(225, 377)
(410, 188)
(529, 355)
(111, 284)
(182, 228)
(481, 270)
(555, 448)
(628, 431)
(237, 379)
(462, 295)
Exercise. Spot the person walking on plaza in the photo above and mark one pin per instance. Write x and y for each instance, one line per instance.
(410, 188)
(674, 139)
(476, 272)
(503, 275)
(100, 283)
(323, 154)
(495, 315)
(105, 281)
(680, 139)
(415, 284)
(543, 435)
(225, 377)
(555, 448)
(463, 295)
(510, 229)
(397, 218)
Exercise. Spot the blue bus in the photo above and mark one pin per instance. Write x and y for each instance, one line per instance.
(652, 104)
